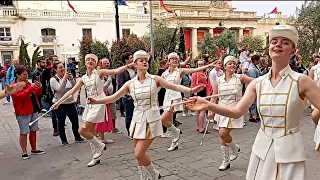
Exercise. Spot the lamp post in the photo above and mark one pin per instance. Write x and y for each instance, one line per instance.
(117, 19)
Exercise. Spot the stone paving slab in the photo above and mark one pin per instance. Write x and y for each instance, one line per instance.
(190, 162)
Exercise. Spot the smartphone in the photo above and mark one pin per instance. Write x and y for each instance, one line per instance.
(69, 70)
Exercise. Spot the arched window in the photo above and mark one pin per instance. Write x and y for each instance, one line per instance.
(48, 35)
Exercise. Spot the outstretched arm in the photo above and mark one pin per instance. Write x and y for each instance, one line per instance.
(165, 84)
(311, 73)
(68, 94)
(110, 99)
(234, 112)
(245, 79)
(185, 71)
(184, 63)
(107, 72)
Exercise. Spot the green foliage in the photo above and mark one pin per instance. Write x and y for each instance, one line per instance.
(307, 23)
(182, 46)
(255, 43)
(100, 49)
(208, 46)
(154, 66)
(162, 37)
(124, 46)
(35, 56)
(85, 48)
(24, 58)
(226, 39)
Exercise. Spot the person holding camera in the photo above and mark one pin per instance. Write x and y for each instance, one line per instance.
(61, 83)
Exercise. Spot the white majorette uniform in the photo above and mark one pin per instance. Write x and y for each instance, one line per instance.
(171, 96)
(230, 94)
(278, 151)
(316, 72)
(94, 113)
(146, 122)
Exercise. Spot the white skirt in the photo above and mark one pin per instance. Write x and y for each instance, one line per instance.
(176, 108)
(145, 130)
(94, 113)
(226, 122)
(270, 170)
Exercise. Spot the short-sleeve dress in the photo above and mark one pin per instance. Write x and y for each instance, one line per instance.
(93, 84)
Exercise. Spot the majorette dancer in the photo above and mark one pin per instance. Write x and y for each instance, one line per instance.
(278, 151)
(174, 75)
(229, 88)
(93, 83)
(146, 124)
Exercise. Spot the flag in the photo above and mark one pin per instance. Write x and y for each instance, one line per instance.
(70, 6)
(122, 2)
(274, 11)
(165, 7)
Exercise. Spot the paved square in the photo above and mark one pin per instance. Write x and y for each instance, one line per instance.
(190, 161)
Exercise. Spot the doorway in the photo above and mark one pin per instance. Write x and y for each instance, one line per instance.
(6, 55)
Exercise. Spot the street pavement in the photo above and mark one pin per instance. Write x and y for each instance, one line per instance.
(191, 161)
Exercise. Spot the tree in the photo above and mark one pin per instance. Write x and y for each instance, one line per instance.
(255, 43)
(226, 39)
(85, 48)
(162, 37)
(208, 46)
(182, 46)
(173, 42)
(100, 49)
(35, 56)
(307, 23)
(24, 58)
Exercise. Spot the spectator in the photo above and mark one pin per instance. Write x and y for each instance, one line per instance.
(61, 83)
(26, 107)
(10, 76)
(47, 94)
(72, 68)
(127, 99)
(37, 73)
(254, 72)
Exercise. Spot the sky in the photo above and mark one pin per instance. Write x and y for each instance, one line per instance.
(286, 7)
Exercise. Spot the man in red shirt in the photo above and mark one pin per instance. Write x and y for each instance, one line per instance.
(26, 106)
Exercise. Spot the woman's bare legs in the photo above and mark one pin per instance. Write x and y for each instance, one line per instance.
(166, 119)
(226, 143)
(141, 146)
(88, 131)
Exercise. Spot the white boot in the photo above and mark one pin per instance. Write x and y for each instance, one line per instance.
(142, 173)
(174, 146)
(235, 149)
(174, 133)
(154, 174)
(99, 150)
(93, 162)
(226, 161)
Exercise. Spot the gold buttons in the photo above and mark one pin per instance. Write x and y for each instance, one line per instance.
(289, 131)
(283, 74)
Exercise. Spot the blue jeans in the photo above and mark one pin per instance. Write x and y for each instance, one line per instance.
(53, 116)
(128, 108)
(253, 112)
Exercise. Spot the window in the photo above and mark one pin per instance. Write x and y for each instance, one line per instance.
(48, 32)
(48, 52)
(6, 3)
(4, 31)
(5, 34)
(87, 32)
(125, 32)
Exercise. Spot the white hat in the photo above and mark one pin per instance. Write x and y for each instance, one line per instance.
(140, 54)
(93, 56)
(286, 31)
(173, 55)
(230, 58)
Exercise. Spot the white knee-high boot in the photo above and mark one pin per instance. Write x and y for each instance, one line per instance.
(235, 149)
(154, 174)
(226, 159)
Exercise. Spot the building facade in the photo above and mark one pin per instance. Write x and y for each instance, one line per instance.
(55, 28)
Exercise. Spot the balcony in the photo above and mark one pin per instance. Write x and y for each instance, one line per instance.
(9, 41)
(48, 39)
(52, 14)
